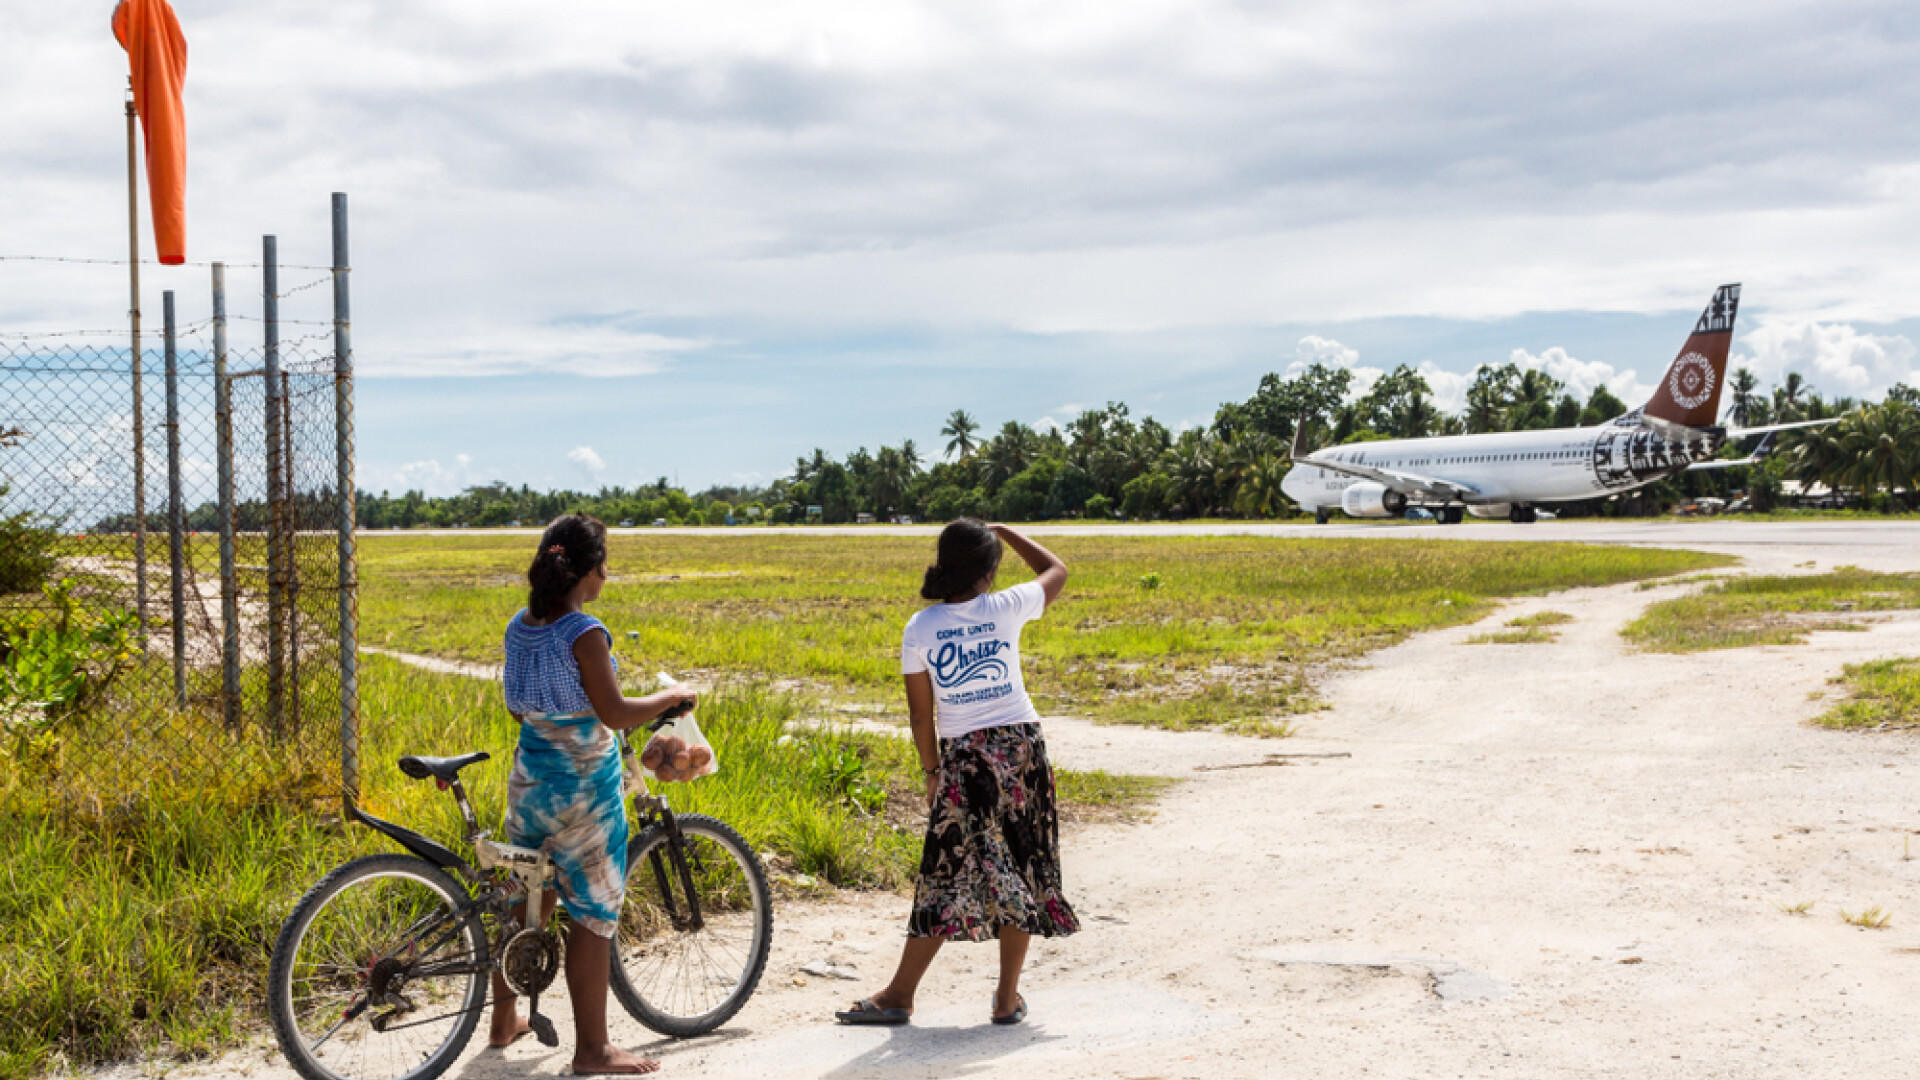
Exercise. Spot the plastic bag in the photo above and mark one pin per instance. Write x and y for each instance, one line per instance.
(679, 751)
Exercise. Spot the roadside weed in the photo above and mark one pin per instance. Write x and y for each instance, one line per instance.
(1872, 918)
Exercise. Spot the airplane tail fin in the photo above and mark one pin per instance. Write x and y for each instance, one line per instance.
(1689, 393)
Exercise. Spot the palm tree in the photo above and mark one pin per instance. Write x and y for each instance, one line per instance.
(1009, 452)
(1881, 448)
(1743, 385)
(910, 454)
(1788, 398)
(961, 427)
(1259, 494)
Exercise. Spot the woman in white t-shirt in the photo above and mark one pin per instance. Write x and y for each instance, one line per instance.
(991, 866)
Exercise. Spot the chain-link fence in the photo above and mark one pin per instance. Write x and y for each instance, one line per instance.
(173, 599)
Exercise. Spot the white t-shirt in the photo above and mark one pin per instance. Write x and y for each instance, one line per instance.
(972, 652)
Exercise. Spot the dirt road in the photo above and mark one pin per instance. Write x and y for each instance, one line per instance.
(1550, 860)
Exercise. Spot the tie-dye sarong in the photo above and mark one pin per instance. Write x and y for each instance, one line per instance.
(564, 797)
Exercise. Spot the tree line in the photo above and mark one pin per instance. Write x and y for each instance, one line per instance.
(1105, 462)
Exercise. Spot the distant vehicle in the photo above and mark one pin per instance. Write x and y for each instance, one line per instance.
(1509, 474)
(626, 523)
(1419, 513)
(863, 519)
(657, 522)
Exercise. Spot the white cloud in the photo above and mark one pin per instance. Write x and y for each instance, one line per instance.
(1449, 387)
(1314, 349)
(1581, 376)
(428, 476)
(1046, 424)
(590, 464)
(1834, 357)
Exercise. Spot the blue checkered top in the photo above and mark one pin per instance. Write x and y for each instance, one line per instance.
(542, 675)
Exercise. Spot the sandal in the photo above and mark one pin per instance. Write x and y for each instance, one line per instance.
(1018, 1014)
(865, 1011)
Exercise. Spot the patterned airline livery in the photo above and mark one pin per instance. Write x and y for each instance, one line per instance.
(1506, 474)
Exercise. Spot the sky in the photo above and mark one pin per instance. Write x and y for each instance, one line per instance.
(602, 242)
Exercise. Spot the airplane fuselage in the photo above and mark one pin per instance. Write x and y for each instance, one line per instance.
(1516, 467)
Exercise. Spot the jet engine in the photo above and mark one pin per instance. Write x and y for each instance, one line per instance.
(1367, 499)
(1491, 510)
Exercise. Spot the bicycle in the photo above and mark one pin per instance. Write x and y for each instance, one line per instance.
(381, 972)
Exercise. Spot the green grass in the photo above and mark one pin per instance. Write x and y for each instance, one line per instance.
(148, 929)
(1882, 694)
(1527, 630)
(1769, 610)
(1532, 635)
(143, 924)
(1101, 795)
(1257, 614)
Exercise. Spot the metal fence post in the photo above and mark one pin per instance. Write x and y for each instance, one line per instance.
(290, 556)
(276, 555)
(139, 402)
(229, 583)
(344, 491)
(176, 514)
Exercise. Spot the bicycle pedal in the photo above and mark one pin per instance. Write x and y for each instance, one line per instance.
(543, 1030)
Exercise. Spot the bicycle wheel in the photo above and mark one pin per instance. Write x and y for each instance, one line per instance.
(675, 979)
(378, 973)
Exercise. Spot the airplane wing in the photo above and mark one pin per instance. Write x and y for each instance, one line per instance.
(1759, 454)
(1741, 433)
(1404, 482)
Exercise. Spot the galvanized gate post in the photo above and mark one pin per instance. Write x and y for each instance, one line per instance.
(276, 542)
(229, 584)
(344, 491)
(176, 514)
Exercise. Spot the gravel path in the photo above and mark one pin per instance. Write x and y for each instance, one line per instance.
(1550, 860)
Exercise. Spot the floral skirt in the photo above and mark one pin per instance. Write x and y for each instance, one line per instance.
(992, 856)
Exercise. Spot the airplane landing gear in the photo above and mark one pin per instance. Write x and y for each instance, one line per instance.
(1522, 515)
(1451, 515)
(1321, 514)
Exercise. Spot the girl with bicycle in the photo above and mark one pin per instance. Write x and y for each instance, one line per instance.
(564, 796)
(991, 865)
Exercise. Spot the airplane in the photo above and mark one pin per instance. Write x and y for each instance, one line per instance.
(1511, 474)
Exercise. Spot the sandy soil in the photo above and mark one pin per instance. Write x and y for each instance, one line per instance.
(1549, 860)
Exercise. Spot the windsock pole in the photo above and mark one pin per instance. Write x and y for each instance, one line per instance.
(139, 411)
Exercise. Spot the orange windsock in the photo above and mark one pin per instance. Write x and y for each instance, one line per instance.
(151, 35)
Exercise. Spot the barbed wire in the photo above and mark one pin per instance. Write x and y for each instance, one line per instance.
(189, 329)
(153, 262)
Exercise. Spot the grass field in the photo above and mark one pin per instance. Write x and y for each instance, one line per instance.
(1174, 631)
(1769, 610)
(1880, 694)
(148, 928)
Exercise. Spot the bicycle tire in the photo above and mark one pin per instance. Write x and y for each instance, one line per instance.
(732, 947)
(420, 891)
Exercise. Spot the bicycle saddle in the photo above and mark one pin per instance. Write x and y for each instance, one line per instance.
(443, 769)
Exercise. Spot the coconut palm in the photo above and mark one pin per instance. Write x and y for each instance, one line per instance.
(1881, 448)
(961, 427)
(1009, 452)
(1743, 384)
(1259, 493)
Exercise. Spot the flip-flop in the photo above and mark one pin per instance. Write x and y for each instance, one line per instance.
(1018, 1014)
(865, 1011)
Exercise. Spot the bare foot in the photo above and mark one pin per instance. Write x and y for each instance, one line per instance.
(507, 1028)
(610, 1060)
(888, 999)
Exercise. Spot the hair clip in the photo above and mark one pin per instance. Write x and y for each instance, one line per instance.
(556, 550)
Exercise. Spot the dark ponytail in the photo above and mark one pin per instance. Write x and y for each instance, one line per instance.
(968, 551)
(571, 548)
